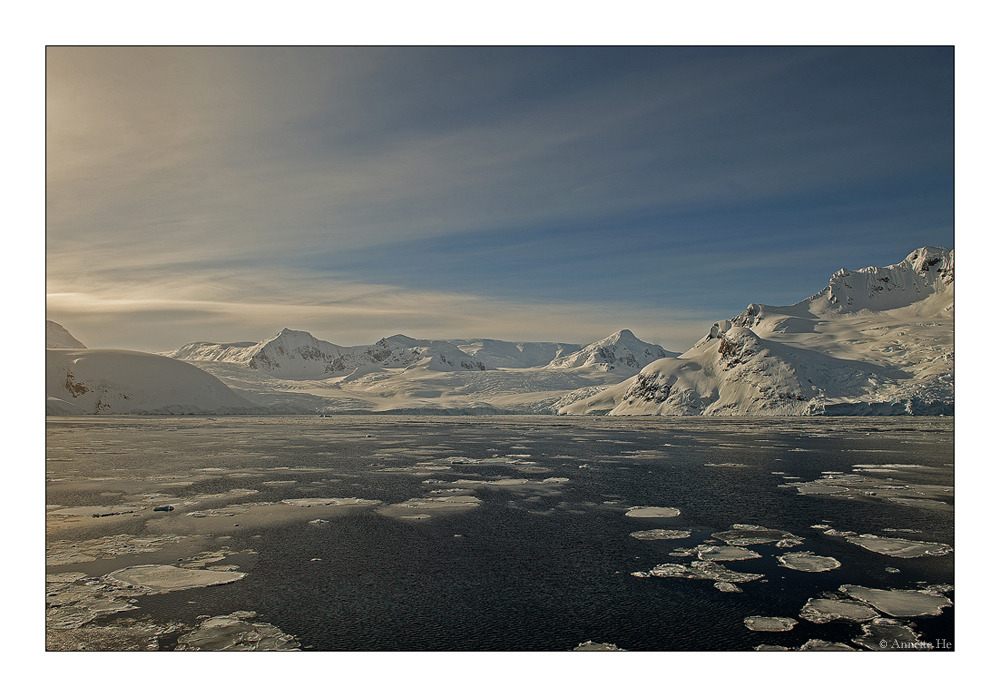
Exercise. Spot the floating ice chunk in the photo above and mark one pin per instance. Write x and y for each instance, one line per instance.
(807, 561)
(233, 633)
(330, 502)
(95, 511)
(899, 603)
(725, 464)
(822, 645)
(884, 634)
(896, 547)
(741, 535)
(725, 553)
(318, 521)
(706, 570)
(418, 508)
(727, 587)
(591, 646)
(660, 534)
(814, 488)
(770, 647)
(757, 623)
(823, 610)
(652, 512)
(162, 578)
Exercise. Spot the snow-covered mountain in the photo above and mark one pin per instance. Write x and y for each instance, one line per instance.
(56, 336)
(621, 351)
(879, 340)
(299, 355)
(296, 371)
(112, 381)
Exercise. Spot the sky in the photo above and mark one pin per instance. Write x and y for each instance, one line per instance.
(519, 193)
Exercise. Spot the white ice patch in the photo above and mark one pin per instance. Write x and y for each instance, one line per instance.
(741, 535)
(884, 634)
(350, 501)
(823, 610)
(807, 561)
(706, 570)
(725, 553)
(660, 534)
(896, 547)
(899, 603)
(162, 578)
(757, 623)
(652, 512)
(234, 633)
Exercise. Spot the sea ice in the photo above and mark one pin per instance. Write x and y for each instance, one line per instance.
(706, 570)
(234, 633)
(757, 623)
(741, 535)
(725, 553)
(162, 578)
(591, 646)
(419, 507)
(884, 634)
(823, 610)
(899, 603)
(896, 547)
(807, 561)
(652, 512)
(822, 645)
(727, 587)
(330, 502)
(660, 534)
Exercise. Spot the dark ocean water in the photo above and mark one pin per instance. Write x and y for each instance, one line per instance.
(540, 568)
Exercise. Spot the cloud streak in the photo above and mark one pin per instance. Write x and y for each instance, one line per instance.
(431, 169)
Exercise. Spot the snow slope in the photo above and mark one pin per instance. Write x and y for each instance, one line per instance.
(56, 336)
(111, 381)
(879, 340)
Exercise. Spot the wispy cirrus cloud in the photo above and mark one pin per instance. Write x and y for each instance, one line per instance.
(521, 175)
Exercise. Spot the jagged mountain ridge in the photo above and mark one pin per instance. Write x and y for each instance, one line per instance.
(298, 354)
(877, 340)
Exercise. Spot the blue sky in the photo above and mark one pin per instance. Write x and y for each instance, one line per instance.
(515, 193)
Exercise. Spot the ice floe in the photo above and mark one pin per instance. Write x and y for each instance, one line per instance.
(899, 603)
(707, 570)
(349, 501)
(162, 578)
(725, 553)
(419, 508)
(823, 610)
(652, 512)
(897, 547)
(884, 634)
(727, 587)
(592, 646)
(234, 632)
(823, 645)
(741, 534)
(660, 534)
(807, 561)
(756, 623)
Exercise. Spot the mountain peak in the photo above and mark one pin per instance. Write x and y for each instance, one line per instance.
(56, 336)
